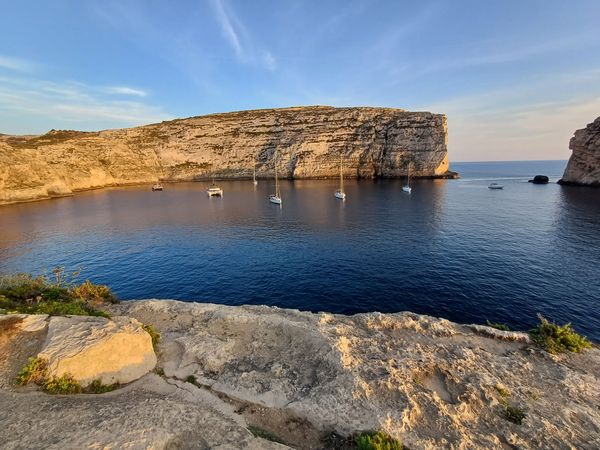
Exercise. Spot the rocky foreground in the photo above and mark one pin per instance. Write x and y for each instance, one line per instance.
(304, 142)
(306, 379)
(583, 168)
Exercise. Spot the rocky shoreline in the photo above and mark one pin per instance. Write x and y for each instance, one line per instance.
(307, 380)
(583, 168)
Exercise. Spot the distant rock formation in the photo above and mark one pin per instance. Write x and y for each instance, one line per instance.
(583, 168)
(304, 142)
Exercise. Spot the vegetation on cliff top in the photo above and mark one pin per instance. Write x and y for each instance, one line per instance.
(56, 295)
(556, 338)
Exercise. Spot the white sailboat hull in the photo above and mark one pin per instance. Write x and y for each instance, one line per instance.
(275, 199)
(217, 192)
(339, 194)
(407, 189)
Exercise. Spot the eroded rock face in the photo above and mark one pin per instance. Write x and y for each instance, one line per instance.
(583, 167)
(90, 348)
(430, 382)
(304, 142)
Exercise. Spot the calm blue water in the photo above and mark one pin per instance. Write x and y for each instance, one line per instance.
(453, 248)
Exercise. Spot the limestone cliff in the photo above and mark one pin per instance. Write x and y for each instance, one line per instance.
(584, 164)
(304, 142)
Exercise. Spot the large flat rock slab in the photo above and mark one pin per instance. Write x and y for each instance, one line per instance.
(430, 382)
(90, 348)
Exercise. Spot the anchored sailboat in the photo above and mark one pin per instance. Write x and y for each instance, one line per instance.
(254, 175)
(406, 187)
(276, 197)
(340, 192)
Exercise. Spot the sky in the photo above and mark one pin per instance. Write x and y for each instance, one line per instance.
(515, 78)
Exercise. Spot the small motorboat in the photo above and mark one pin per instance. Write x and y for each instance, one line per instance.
(157, 187)
(495, 186)
(214, 190)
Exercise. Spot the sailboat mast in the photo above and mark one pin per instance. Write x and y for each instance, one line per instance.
(254, 174)
(341, 173)
(276, 182)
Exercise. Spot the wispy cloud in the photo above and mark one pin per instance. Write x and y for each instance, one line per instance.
(124, 90)
(523, 121)
(17, 64)
(234, 31)
(27, 102)
(227, 26)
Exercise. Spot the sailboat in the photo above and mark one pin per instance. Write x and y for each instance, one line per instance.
(254, 175)
(406, 187)
(276, 197)
(214, 189)
(340, 192)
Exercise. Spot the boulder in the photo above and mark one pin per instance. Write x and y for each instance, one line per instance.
(91, 348)
(539, 179)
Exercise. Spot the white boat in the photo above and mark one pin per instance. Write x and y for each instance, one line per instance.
(214, 190)
(406, 187)
(340, 192)
(157, 187)
(276, 197)
(495, 186)
(254, 175)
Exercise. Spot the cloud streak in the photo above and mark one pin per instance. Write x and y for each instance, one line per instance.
(124, 90)
(17, 64)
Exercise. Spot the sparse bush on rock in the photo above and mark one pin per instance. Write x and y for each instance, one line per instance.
(497, 326)
(155, 335)
(377, 441)
(556, 338)
(60, 295)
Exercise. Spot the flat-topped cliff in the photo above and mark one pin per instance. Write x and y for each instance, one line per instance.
(304, 142)
(583, 167)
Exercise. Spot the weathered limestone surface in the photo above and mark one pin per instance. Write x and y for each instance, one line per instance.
(304, 142)
(90, 348)
(583, 167)
(430, 382)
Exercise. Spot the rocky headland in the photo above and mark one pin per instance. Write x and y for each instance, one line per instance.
(304, 142)
(583, 168)
(240, 377)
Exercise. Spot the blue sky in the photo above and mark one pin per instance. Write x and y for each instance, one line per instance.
(515, 78)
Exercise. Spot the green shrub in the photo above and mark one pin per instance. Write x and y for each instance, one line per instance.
(65, 384)
(155, 335)
(504, 393)
(377, 441)
(59, 295)
(556, 338)
(191, 379)
(514, 414)
(96, 387)
(35, 371)
(497, 326)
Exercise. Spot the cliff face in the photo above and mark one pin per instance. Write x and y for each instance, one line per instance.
(304, 142)
(584, 164)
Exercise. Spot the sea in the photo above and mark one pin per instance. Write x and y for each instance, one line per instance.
(451, 248)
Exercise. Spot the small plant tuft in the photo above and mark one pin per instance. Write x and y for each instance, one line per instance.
(377, 441)
(514, 414)
(35, 371)
(504, 393)
(497, 326)
(191, 379)
(264, 434)
(96, 387)
(556, 338)
(155, 335)
(159, 371)
(65, 384)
